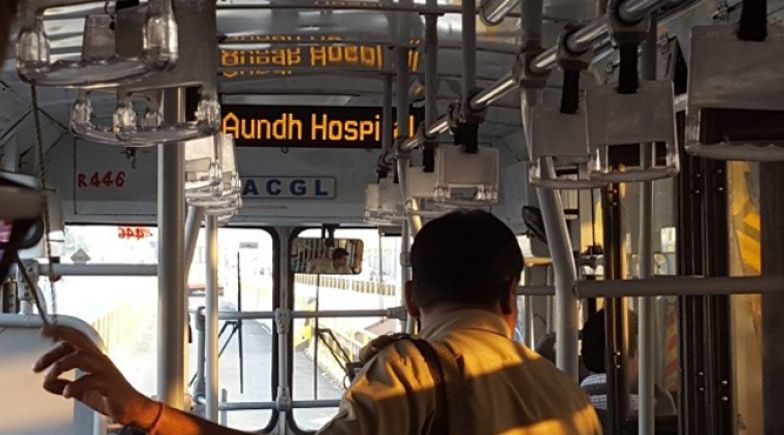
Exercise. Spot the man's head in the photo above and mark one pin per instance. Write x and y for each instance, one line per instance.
(339, 258)
(464, 259)
(593, 346)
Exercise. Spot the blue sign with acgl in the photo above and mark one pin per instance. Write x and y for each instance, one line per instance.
(310, 187)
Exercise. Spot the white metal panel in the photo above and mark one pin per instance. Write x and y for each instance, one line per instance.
(106, 182)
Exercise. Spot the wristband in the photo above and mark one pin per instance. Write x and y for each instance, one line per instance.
(154, 426)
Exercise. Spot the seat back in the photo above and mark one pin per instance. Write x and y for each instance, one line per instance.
(25, 407)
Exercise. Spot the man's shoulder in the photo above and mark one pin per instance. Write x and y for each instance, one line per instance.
(390, 348)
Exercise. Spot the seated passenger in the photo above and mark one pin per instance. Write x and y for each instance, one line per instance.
(466, 267)
(546, 347)
(337, 265)
(593, 354)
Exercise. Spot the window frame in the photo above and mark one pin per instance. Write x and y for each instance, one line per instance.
(291, 422)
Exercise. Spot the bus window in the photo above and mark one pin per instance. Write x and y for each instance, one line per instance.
(121, 308)
(322, 346)
(124, 309)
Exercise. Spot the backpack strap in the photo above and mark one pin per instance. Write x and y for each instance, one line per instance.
(446, 374)
(451, 369)
(440, 422)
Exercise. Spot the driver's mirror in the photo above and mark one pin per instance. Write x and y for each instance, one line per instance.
(327, 257)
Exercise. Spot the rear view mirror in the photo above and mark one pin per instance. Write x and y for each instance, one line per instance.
(327, 257)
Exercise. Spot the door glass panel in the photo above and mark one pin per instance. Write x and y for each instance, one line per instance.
(321, 374)
(245, 283)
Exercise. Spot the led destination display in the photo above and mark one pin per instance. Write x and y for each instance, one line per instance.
(307, 126)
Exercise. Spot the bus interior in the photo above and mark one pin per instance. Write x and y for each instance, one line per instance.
(225, 193)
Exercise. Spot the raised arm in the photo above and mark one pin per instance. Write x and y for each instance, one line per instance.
(104, 389)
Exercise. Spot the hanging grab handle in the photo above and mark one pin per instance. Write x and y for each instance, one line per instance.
(628, 74)
(571, 63)
(570, 95)
(753, 21)
(628, 35)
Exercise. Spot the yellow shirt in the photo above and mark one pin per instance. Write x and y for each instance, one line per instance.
(508, 389)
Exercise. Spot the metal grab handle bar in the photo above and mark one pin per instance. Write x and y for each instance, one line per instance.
(158, 51)
(301, 404)
(583, 39)
(667, 286)
(392, 313)
(137, 135)
(60, 269)
(680, 286)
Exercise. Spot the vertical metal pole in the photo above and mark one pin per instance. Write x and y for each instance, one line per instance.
(315, 333)
(431, 65)
(647, 305)
(380, 271)
(198, 384)
(386, 116)
(405, 270)
(401, 89)
(528, 331)
(616, 316)
(239, 323)
(772, 236)
(531, 28)
(283, 325)
(565, 275)
(531, 17)
(468, 35)
(550, 311)
(211, 321)
(171, 261)
(193, 222)
(224, 416)
(402, 76)
(647, 314)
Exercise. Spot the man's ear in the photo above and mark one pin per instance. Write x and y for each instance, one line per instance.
(411, 305)
(509, 301)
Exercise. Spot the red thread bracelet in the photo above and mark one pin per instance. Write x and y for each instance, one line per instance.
(153, 426)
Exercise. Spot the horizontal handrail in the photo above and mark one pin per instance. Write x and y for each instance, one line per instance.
(393, 313)
(296, 404)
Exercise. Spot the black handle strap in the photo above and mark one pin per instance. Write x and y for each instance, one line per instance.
(382, 171)
(429, 156)
(572, 63)
(570, 94)
(628, 73)
(467, 136)
(753, 20)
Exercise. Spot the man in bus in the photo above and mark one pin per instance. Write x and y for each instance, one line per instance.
(466, 266)
(336, 265)
(593, 355)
